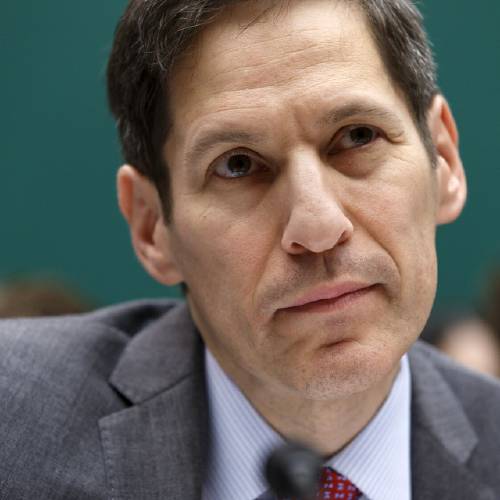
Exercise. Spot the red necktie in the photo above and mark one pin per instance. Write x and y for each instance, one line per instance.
(334, 486)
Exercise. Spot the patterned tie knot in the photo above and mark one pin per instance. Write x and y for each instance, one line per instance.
(335, 486)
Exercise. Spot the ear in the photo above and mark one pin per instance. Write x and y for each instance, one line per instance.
(141, 206)
(452, 186)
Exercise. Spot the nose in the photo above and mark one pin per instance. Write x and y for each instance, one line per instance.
(317, 222)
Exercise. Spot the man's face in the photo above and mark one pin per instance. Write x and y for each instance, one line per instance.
(304, 202)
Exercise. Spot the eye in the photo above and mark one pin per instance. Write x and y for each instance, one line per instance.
(354, 137)
(234, 165)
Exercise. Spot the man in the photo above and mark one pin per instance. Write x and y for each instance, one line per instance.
(288, 162)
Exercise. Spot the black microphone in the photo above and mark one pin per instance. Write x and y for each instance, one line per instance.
(293, 470)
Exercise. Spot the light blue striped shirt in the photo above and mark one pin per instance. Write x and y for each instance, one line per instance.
(377, 461)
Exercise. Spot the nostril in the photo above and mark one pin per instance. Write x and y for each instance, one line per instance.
(297, 248)
(345, 235)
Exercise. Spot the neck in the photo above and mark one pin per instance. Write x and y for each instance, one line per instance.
(326, 425)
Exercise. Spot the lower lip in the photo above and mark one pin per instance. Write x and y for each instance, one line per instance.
(329, 305)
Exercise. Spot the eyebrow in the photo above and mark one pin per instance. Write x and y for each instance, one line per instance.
(363, 109)
(331, 117)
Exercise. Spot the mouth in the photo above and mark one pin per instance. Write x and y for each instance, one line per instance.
(328, 300)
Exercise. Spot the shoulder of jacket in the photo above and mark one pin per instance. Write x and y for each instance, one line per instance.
(478, 394)
(59, 357)
(54, 388)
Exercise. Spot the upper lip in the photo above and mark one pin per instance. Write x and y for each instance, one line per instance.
(328, 292)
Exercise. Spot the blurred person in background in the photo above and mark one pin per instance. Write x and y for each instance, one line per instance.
(467, 338)
(491, 301)
(37, 296)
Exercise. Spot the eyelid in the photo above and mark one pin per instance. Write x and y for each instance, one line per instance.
(358, 125)
(232, 152)
(379, 132)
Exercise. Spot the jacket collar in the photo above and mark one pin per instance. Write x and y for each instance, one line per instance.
(165, 352)
(443, 438)
(155, 448)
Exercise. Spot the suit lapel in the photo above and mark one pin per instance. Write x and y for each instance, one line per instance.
(155, 448)
(442, 438)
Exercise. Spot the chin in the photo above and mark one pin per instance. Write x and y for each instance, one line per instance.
(345, 369)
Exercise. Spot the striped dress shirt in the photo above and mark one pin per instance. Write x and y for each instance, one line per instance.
(377, 461)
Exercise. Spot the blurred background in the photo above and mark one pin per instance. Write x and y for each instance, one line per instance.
(59, 151)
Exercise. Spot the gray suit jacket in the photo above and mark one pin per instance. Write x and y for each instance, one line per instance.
(112, 405)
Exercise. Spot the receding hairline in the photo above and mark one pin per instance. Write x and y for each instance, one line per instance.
(274, 10)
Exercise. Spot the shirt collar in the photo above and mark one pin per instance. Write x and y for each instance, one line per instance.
(377, 460)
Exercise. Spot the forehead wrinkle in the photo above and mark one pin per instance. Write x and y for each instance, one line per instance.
(225, 58)
(232, 46)
(260, 71)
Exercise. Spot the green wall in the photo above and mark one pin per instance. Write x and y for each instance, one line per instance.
(59, 152)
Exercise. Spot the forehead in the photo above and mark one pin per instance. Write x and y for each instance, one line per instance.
(258, 53)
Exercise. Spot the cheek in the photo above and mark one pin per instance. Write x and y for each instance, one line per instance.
(399, 213)
(220, 253)
(399, 206)
(222, 259)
